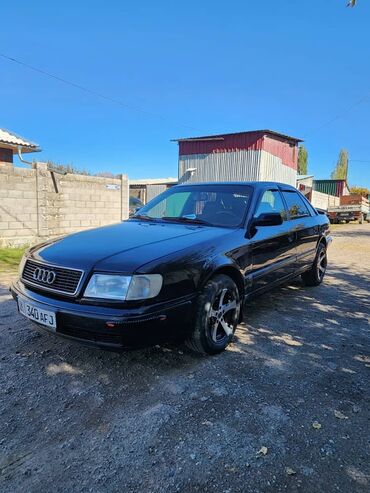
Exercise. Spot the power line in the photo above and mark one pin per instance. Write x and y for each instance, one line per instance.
(151, 114)
(93, 92)
(343, 113)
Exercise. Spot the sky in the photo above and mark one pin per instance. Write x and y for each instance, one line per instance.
(180, 69)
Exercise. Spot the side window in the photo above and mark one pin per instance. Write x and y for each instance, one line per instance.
(296, 206)
(271, 201)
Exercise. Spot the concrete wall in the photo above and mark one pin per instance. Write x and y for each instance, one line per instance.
(36, 204)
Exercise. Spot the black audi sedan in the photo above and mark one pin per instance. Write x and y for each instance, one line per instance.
(181, 268)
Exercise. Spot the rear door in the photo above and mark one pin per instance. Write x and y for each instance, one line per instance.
(272, 247)
(304, 223)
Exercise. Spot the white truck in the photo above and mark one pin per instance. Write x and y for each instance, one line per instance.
(351, 208)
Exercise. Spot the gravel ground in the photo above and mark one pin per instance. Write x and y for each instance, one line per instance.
(286, 408)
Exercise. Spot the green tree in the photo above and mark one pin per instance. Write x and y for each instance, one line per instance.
(341, 170)
(360, 191)
(302, 160)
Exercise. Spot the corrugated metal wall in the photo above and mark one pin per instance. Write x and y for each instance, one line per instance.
(286, 151)
(247, 141)
(154, 190)
(279, 146)
(331, 187)
(244, 165)
(226, 166)
(273, 169)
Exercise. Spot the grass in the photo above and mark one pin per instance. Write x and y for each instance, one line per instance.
(10, 258)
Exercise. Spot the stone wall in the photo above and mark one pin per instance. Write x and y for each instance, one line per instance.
(36, 204)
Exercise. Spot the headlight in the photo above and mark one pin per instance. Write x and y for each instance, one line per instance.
(116, 287)
(108, 286)
(144, 286)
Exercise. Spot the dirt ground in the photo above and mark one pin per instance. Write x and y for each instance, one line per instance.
(296, 381)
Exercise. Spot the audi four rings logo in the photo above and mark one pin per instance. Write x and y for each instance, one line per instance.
(44, 275)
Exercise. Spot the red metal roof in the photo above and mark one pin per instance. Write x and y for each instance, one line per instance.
(277, 144)
(221, 136)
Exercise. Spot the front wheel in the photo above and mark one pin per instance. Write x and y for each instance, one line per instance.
(315, 275)
(217, 315)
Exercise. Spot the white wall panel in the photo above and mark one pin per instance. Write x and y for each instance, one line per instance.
(244, 165)
(273, 169)
(241, 165)
(323, 201)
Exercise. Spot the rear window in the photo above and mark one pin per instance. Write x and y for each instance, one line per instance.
(296, 205)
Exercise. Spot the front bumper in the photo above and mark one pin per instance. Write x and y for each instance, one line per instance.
(110, 327)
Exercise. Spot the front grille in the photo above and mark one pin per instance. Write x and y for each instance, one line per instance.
(92, 336)
(65, 281)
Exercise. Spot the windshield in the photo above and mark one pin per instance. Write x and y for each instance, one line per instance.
(214, 205)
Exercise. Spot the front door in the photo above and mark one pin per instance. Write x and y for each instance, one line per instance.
(305, 227)
(272, 247)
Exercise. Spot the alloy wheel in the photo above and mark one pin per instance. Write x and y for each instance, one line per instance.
(222, 316)
(322, 262)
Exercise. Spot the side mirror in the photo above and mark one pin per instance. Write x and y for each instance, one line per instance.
(268, 219)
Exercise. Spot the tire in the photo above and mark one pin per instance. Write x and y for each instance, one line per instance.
(217, 316)
(315, 275)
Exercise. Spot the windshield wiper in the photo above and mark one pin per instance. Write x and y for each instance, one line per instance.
(184, 219)
(144, 217)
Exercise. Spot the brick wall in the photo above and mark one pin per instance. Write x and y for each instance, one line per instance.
(36, 204)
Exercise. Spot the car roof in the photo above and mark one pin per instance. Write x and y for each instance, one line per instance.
(254, 184)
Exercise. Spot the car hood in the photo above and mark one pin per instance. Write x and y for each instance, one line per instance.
(123, 247)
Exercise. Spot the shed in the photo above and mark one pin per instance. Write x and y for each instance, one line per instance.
(147, 188)
(11, 144)
(243, 156)
(304, 182)
(332, 187)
